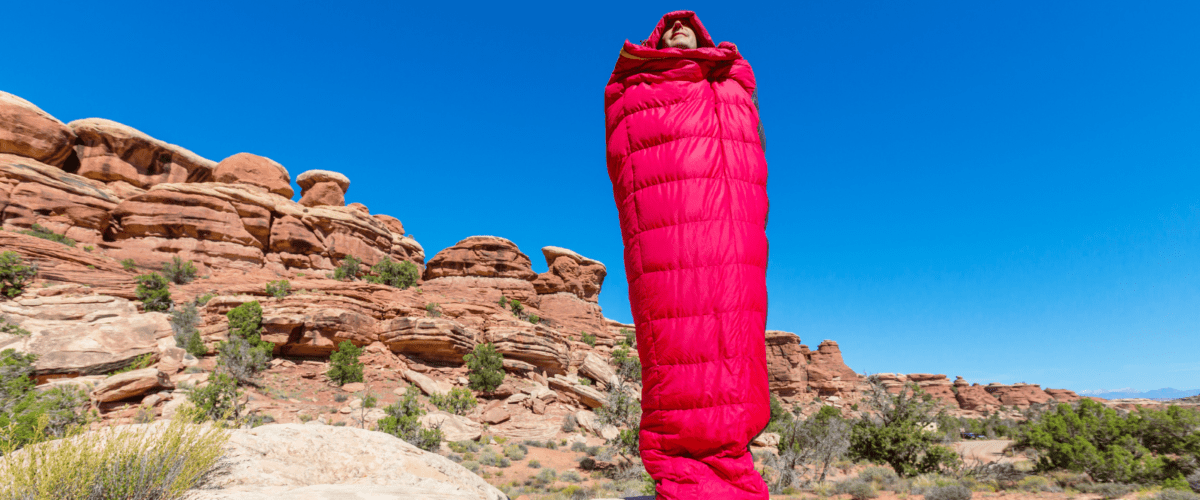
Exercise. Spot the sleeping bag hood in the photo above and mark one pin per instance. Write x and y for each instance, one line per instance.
(689, 180)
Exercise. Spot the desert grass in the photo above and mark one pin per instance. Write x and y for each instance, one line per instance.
(159, 461)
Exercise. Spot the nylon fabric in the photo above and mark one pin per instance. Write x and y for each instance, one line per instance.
(689, 179)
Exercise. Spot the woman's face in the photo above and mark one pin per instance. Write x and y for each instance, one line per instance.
(679, 36)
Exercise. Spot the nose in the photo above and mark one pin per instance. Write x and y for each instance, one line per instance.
(678, 24)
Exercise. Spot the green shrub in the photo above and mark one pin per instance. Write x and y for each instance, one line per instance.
(217, 400)
(129, 265)
(896, 433)
(179, 271)
(46, 234)
(858, 490)
(401, 420)
(348, 270)
(503, 302)
(15, 274)
(344, 366)
(458, 401)
(588, 339)
(11, 328)
(516, 306)
(28, 416)
(143, 361)
(485, 367)
(245, 353)
(1174, 494)
(463, 446)
(534, 464)
(545, 477)
(881, 477)
(152, 291)
(433, 309)
(628, 365)
(471, 465)
(570, 476)
(533, 318)
(279, 289)
(1107, 491)
(398, 274)
(515, 452)
(184, 323)
(949, 492)
(132, 462)
(1037, 483)
(203, 299)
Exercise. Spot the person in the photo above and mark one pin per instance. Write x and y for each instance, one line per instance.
(688, 171)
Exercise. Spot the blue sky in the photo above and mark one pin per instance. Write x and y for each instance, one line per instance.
(1006, 191)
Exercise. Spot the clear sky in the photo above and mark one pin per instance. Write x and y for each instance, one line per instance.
(1006, 191)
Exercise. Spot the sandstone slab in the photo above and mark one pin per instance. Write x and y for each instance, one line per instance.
(26, 130)
(130, 384)
(110, 152)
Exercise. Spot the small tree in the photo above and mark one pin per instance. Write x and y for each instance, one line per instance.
(811, 444)
(398, 274)
(348, 270)
(516, 306)
(403, 421)
(279, 289)
(587, 338)
(245, 353)
(129, 265)
(898, 433)
(344, 366)
(152, 291)
(184, 322)
(458, 401)
(179, 271)
(217, 400)
(15, 274)
(485, 368)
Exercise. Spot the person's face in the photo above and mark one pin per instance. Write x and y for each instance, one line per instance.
(679, 36)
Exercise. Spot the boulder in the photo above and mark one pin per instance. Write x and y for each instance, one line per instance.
(82, 335)
(110, 152)
(302, 462)
(572, 273)
(431, 339)
(32, 192)
(534, 344)
(596, 368)
(495, 416)
(453, 427)
(484, 256)
(323, 188)
(786, 364)
(26, 130)
(254, 170)
(426, 384)
(130, 384)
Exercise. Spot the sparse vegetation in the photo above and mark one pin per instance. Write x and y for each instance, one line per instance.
(15, 274)
(402, 421)
(28, 416)
(949, 492)
(344, 366)
(516, 452)
(433, 310)
(143, 361)
(38, 231)
(152, 291)
(485, 368)
(398, 274)
(587, 338)
(152, 463)
(184, 322)
(628, 365)
(516, 307)
(458, 401)
(179, 271)
(245, 353)
(7, 326)
(348, 270)
(129, 265)
(896, 433)
(807, 446)
(533, 318)
(279, 289)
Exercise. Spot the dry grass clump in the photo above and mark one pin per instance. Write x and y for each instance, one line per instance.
(140, 462)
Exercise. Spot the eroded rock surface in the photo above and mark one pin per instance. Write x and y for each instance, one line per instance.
(30, 132)
(109, 152)
(483, 256)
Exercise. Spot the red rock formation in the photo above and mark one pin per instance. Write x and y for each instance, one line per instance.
(30, 132)
(323, 188)
(1063, 395)
(935, 385)
(254, 170)
(32, 192)
(570, 315)
(483, 256)
(571, 272)
(1022, 395)
(786, 364)
(974, 397)
(109, 151)
(432, 339)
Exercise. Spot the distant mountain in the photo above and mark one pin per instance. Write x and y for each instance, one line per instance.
(1128, 392)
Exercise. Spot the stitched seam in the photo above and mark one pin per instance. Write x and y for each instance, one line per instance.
(698, 408)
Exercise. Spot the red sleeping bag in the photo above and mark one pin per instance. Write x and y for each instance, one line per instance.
(689, 178)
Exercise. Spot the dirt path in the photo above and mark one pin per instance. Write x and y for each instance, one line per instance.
(986, 450)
